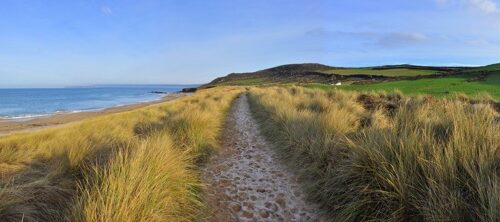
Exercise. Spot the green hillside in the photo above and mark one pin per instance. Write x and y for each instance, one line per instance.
(410, 79)
(319, 73)
(382, 72)
(435, 86)
(493, 67)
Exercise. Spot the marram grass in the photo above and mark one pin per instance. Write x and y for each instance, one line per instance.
(387, 157)
(134, 166)
(362, 157)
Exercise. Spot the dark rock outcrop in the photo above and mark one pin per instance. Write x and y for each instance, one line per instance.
(189, 90)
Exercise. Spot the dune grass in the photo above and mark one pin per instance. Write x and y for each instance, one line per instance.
(387, 157)
(133, 166)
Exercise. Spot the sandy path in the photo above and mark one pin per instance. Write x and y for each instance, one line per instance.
(246, 182)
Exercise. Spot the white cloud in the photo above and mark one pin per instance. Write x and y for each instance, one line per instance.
(398, 39)
(478, 42)
(106, 10)
(485, 6)
(379, 39)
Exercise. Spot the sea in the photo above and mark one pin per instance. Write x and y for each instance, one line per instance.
(28, 103)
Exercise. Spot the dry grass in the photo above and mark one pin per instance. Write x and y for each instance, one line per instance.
(152, 182)
(386, 157)
(133, 166)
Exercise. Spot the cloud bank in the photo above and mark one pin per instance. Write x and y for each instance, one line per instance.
(485, 6)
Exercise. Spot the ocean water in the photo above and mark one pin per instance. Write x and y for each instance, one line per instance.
(31, 103)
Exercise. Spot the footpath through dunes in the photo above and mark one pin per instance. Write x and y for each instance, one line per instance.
(246, 182)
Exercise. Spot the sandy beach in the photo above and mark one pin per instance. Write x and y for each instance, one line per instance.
(10, 126)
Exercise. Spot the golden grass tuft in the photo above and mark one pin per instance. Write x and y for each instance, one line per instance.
(153, 182)
(386, 157)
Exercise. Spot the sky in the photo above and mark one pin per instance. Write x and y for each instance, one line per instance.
(56, 43)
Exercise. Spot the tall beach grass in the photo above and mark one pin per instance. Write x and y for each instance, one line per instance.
(387, 157)
(133, 166)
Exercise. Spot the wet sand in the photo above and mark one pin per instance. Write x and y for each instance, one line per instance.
(10, 126)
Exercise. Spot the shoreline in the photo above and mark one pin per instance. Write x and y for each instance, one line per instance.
(9, 126)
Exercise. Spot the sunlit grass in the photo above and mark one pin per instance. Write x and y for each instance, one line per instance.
(442, 87)
(387, 157)
(133, 166)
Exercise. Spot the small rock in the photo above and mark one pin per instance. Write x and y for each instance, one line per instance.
(236, 207)
(242, 196)
(271, 206)
(247, 214)
(280, 201)
(268, 205)
(249, 205)
(263, 213)
(224, 182)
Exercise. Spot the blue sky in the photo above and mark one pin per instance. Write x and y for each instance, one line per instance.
(79, 42)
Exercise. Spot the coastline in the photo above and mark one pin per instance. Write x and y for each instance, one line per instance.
(8, 126)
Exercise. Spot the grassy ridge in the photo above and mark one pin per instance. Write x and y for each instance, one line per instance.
(133, 166)
(246, 82)
(318, 73)
(381, 72)
(385, 157)
(493, 67)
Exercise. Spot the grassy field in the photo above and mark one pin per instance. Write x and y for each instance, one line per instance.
(441, 87)
(386, 157)
(133, 166)
(246, 82)
(383, 72)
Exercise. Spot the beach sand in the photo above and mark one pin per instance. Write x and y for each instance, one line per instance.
(10, 126)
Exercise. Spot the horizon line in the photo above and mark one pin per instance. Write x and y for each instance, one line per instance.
(96, 85)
